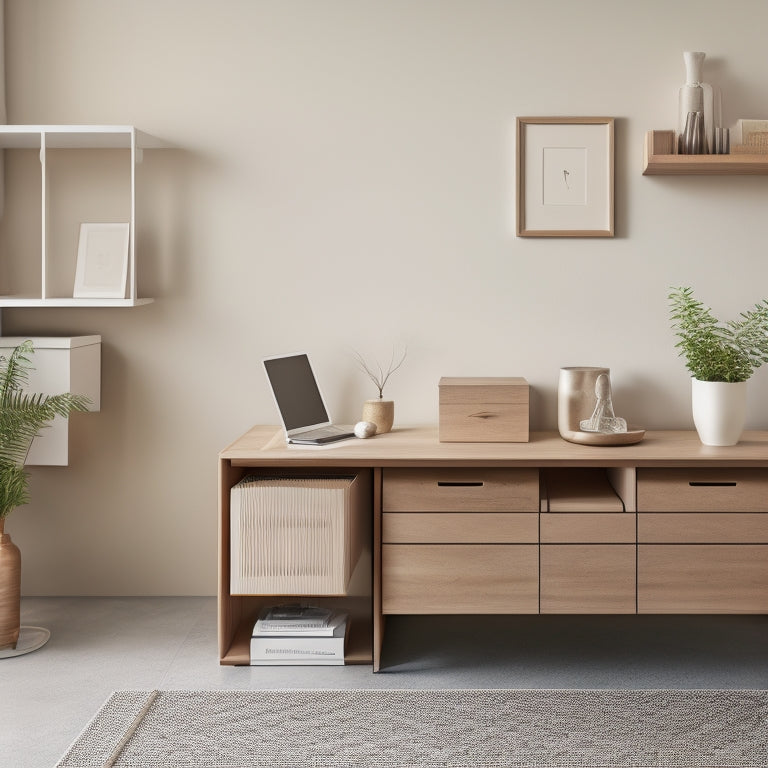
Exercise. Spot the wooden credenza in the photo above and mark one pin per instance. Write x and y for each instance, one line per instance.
(664, 526)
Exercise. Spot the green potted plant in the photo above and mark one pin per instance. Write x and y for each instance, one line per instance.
(379, 411)
(721, 358)
(22, 416)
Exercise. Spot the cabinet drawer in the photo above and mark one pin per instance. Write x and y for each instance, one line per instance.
(460, 578)
(588, 578)
(702, 490)
(702, 578)
(460, 527)
(702, 528)
(460, 490)
(587, 528)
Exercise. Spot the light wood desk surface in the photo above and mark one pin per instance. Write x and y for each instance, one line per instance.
(419, 446)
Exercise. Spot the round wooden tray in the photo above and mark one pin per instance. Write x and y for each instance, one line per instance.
(630, 437)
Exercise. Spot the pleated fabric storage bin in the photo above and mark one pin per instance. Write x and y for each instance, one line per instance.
(294, 536)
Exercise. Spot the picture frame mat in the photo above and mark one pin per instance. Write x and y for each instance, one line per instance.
(102, 261)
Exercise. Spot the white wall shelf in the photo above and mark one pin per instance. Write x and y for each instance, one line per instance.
(55, 137)
(63, 301)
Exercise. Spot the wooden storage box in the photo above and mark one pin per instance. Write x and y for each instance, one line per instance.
(483, 410)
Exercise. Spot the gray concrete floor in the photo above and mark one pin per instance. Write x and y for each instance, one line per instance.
(99, 645)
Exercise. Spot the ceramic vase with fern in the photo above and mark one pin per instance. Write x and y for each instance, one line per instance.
(10, 590)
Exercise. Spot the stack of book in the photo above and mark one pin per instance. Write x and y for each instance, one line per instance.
(297, 633)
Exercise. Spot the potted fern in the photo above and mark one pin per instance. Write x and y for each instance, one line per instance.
(22, 416)
(721, 358)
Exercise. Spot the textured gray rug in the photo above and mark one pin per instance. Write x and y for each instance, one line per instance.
(426, 729)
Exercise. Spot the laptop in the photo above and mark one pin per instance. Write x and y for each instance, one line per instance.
(299, 401)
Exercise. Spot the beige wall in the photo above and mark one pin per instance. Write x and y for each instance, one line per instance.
(356, 158)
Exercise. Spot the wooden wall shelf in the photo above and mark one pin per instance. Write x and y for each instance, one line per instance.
(701, 165)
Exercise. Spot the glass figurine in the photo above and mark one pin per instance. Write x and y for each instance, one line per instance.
(603, 418)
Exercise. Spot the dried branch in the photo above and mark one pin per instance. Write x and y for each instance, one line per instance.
(380, 378)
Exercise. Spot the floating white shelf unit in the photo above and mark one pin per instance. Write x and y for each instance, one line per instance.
(45, 137)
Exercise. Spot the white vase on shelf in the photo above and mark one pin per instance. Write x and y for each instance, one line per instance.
(698, 101)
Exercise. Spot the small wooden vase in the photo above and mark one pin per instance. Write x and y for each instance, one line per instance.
(10, 590)
(381, 413)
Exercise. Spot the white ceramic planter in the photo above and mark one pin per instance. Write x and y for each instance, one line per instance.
(719, 410)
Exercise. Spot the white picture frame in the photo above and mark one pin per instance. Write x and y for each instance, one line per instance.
(565, 171)
(102, 261)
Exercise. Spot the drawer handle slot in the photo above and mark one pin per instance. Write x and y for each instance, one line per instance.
(483, 415)
(459, 484)
(704, 484)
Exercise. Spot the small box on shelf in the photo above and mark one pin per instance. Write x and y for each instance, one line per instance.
(662, 142)
(745, 127)
(753, 143)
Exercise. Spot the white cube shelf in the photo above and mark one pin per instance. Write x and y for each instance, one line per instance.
(57, 137)
(60, 364)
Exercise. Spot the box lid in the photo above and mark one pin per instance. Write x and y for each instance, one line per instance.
(483, 389)
(482, 381)
(49, 342)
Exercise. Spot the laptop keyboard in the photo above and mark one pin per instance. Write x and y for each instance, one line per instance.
(320, 432)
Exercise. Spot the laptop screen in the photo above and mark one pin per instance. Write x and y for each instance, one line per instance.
(296, 391)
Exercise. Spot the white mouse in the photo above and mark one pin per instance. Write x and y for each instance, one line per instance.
(365, 429)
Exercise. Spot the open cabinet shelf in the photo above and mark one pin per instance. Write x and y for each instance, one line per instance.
(656, 164)
(238, 611)
(48, 138)
(236, 650)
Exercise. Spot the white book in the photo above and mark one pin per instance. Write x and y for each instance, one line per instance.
(297, 614)
(288, 627)
(278, 649)
(297, 662)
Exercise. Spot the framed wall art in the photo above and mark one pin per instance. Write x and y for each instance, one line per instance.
(565, 177)
(102, 261)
